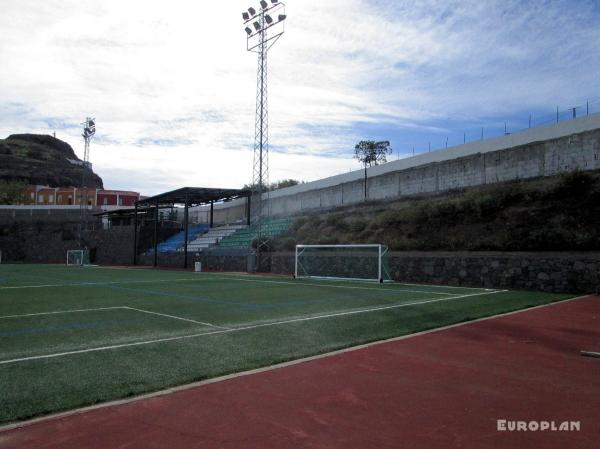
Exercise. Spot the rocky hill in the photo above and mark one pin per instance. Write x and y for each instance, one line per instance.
(43, 160)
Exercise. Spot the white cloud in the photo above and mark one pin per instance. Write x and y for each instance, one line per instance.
(173, 88)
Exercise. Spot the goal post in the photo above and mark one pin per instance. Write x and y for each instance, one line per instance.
(351, 262)
(78, 257)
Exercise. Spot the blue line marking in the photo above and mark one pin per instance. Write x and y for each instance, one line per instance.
(242, 305)
(64, 327)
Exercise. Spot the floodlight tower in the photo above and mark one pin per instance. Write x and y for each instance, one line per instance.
(262, 31)
(89, 129)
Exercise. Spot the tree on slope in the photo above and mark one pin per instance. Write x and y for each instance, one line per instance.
(370, 153)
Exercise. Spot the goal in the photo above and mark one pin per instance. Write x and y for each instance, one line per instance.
(356, 262)
(78, 257)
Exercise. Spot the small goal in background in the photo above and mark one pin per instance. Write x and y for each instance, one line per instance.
(78, 257)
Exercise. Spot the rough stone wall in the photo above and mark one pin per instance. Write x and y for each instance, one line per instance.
(113, 247)
(552, 272)
(50, 245)
(209, 263)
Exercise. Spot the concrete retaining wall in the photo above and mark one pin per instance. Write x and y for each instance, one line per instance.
(544, 151)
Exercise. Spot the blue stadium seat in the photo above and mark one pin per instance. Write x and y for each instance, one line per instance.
(175, 242)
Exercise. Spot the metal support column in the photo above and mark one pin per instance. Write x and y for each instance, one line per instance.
(135, 234)
(185, 238)
(248, 210)
(212, 213)
(156, 235)
(365, 181)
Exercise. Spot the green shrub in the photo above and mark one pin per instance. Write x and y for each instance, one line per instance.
(298, 223)
(328, 240)
(12, 192)
(68, 234)
(284, 244)
(335, 220)
(572, 184)
(35, 153)
(357, 224)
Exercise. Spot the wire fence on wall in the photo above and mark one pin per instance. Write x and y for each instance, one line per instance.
(502, 128)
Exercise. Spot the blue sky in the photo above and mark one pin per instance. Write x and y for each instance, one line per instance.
(173, 89)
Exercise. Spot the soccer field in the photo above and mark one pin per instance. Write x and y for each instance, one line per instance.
(73, 336)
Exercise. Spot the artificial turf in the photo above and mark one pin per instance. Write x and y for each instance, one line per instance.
(208, 325)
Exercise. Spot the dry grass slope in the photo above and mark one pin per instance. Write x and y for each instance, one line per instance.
(560, 213)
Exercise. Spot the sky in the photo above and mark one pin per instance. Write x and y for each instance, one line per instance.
(173, 88)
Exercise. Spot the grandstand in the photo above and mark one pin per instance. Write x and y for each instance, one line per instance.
(213, 236)
(229, 236)
(176, 242)
(243, 238)
(188, 197)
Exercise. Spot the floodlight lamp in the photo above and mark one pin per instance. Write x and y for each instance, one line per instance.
(256, 26)
(268, 19)
(252, 11)
(282, 17)
(246, 16)
(249, 31)
(263, 4)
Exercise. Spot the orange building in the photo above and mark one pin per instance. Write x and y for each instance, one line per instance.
(86, 196)
(67, 196)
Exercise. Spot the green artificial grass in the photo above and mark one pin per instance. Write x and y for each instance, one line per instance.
(208, 325)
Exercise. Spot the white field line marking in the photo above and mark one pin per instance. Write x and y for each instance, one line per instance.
(216, 276)
(114, 308)
(80, 284)
(446, 286)
(176, 317)
(257, 280)
(396, 283)
(264, 281)
(250, 279)
(184, 387)
(62, 311)
(237, 329)
(354, 287)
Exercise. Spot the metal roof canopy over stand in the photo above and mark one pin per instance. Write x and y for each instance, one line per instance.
(189, 197)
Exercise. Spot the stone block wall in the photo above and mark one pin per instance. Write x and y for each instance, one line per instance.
(209, 262)
(552, 272)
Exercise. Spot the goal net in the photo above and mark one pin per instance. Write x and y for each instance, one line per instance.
(78, 257)
(358, 262)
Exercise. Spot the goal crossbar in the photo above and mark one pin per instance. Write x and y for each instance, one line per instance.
(365, 261)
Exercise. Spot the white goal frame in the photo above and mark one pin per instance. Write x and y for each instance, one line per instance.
(82, 257)
(382, 250)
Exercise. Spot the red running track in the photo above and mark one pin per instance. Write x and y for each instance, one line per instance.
(444, 389)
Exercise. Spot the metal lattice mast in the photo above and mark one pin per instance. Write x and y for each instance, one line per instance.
(89, 129)
(260, 174)
(260, 41)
